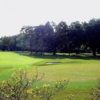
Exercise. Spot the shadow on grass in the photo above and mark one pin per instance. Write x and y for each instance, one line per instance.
(85, 56)
(3, 68)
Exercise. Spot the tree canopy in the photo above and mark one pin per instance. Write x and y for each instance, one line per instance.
(76, 37)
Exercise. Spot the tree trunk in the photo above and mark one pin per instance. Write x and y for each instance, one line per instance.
(94, 51)
(36, 51)
(48, 98)
(41, 52)
(54, 52)
(31, 52)
(69, 53)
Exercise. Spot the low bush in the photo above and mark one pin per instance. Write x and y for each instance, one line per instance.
(21, 87)
(95, 94)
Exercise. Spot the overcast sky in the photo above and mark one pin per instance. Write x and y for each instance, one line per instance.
(15, 14)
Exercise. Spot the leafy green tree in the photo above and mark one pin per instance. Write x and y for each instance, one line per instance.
(14, 46)
(61, 31)
(27, 37)
(0, 43)
(39, 33)
(20, 41)
(50, 37)
(93, 35)
(76, 36)
(7, 41)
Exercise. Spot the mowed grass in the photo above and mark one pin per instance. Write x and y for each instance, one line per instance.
(8, 60)
(83, 70)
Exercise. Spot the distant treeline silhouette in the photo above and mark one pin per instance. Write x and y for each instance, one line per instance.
(76, 37)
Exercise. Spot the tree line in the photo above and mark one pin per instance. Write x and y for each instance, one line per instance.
(76, 37)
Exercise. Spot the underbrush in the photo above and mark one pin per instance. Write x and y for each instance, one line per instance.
(21, 87)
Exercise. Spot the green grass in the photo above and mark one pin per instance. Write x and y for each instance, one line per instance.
(83, 70)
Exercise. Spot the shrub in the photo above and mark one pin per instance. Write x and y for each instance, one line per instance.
(95, 94)
(18, 87)
(21, 87)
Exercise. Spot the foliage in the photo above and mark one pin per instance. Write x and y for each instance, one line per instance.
(18, 87)
(92, 34)
(71, 97)
(47, 93)
(55, 38)
(95, 94)
(21, 87)
(7, 41)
